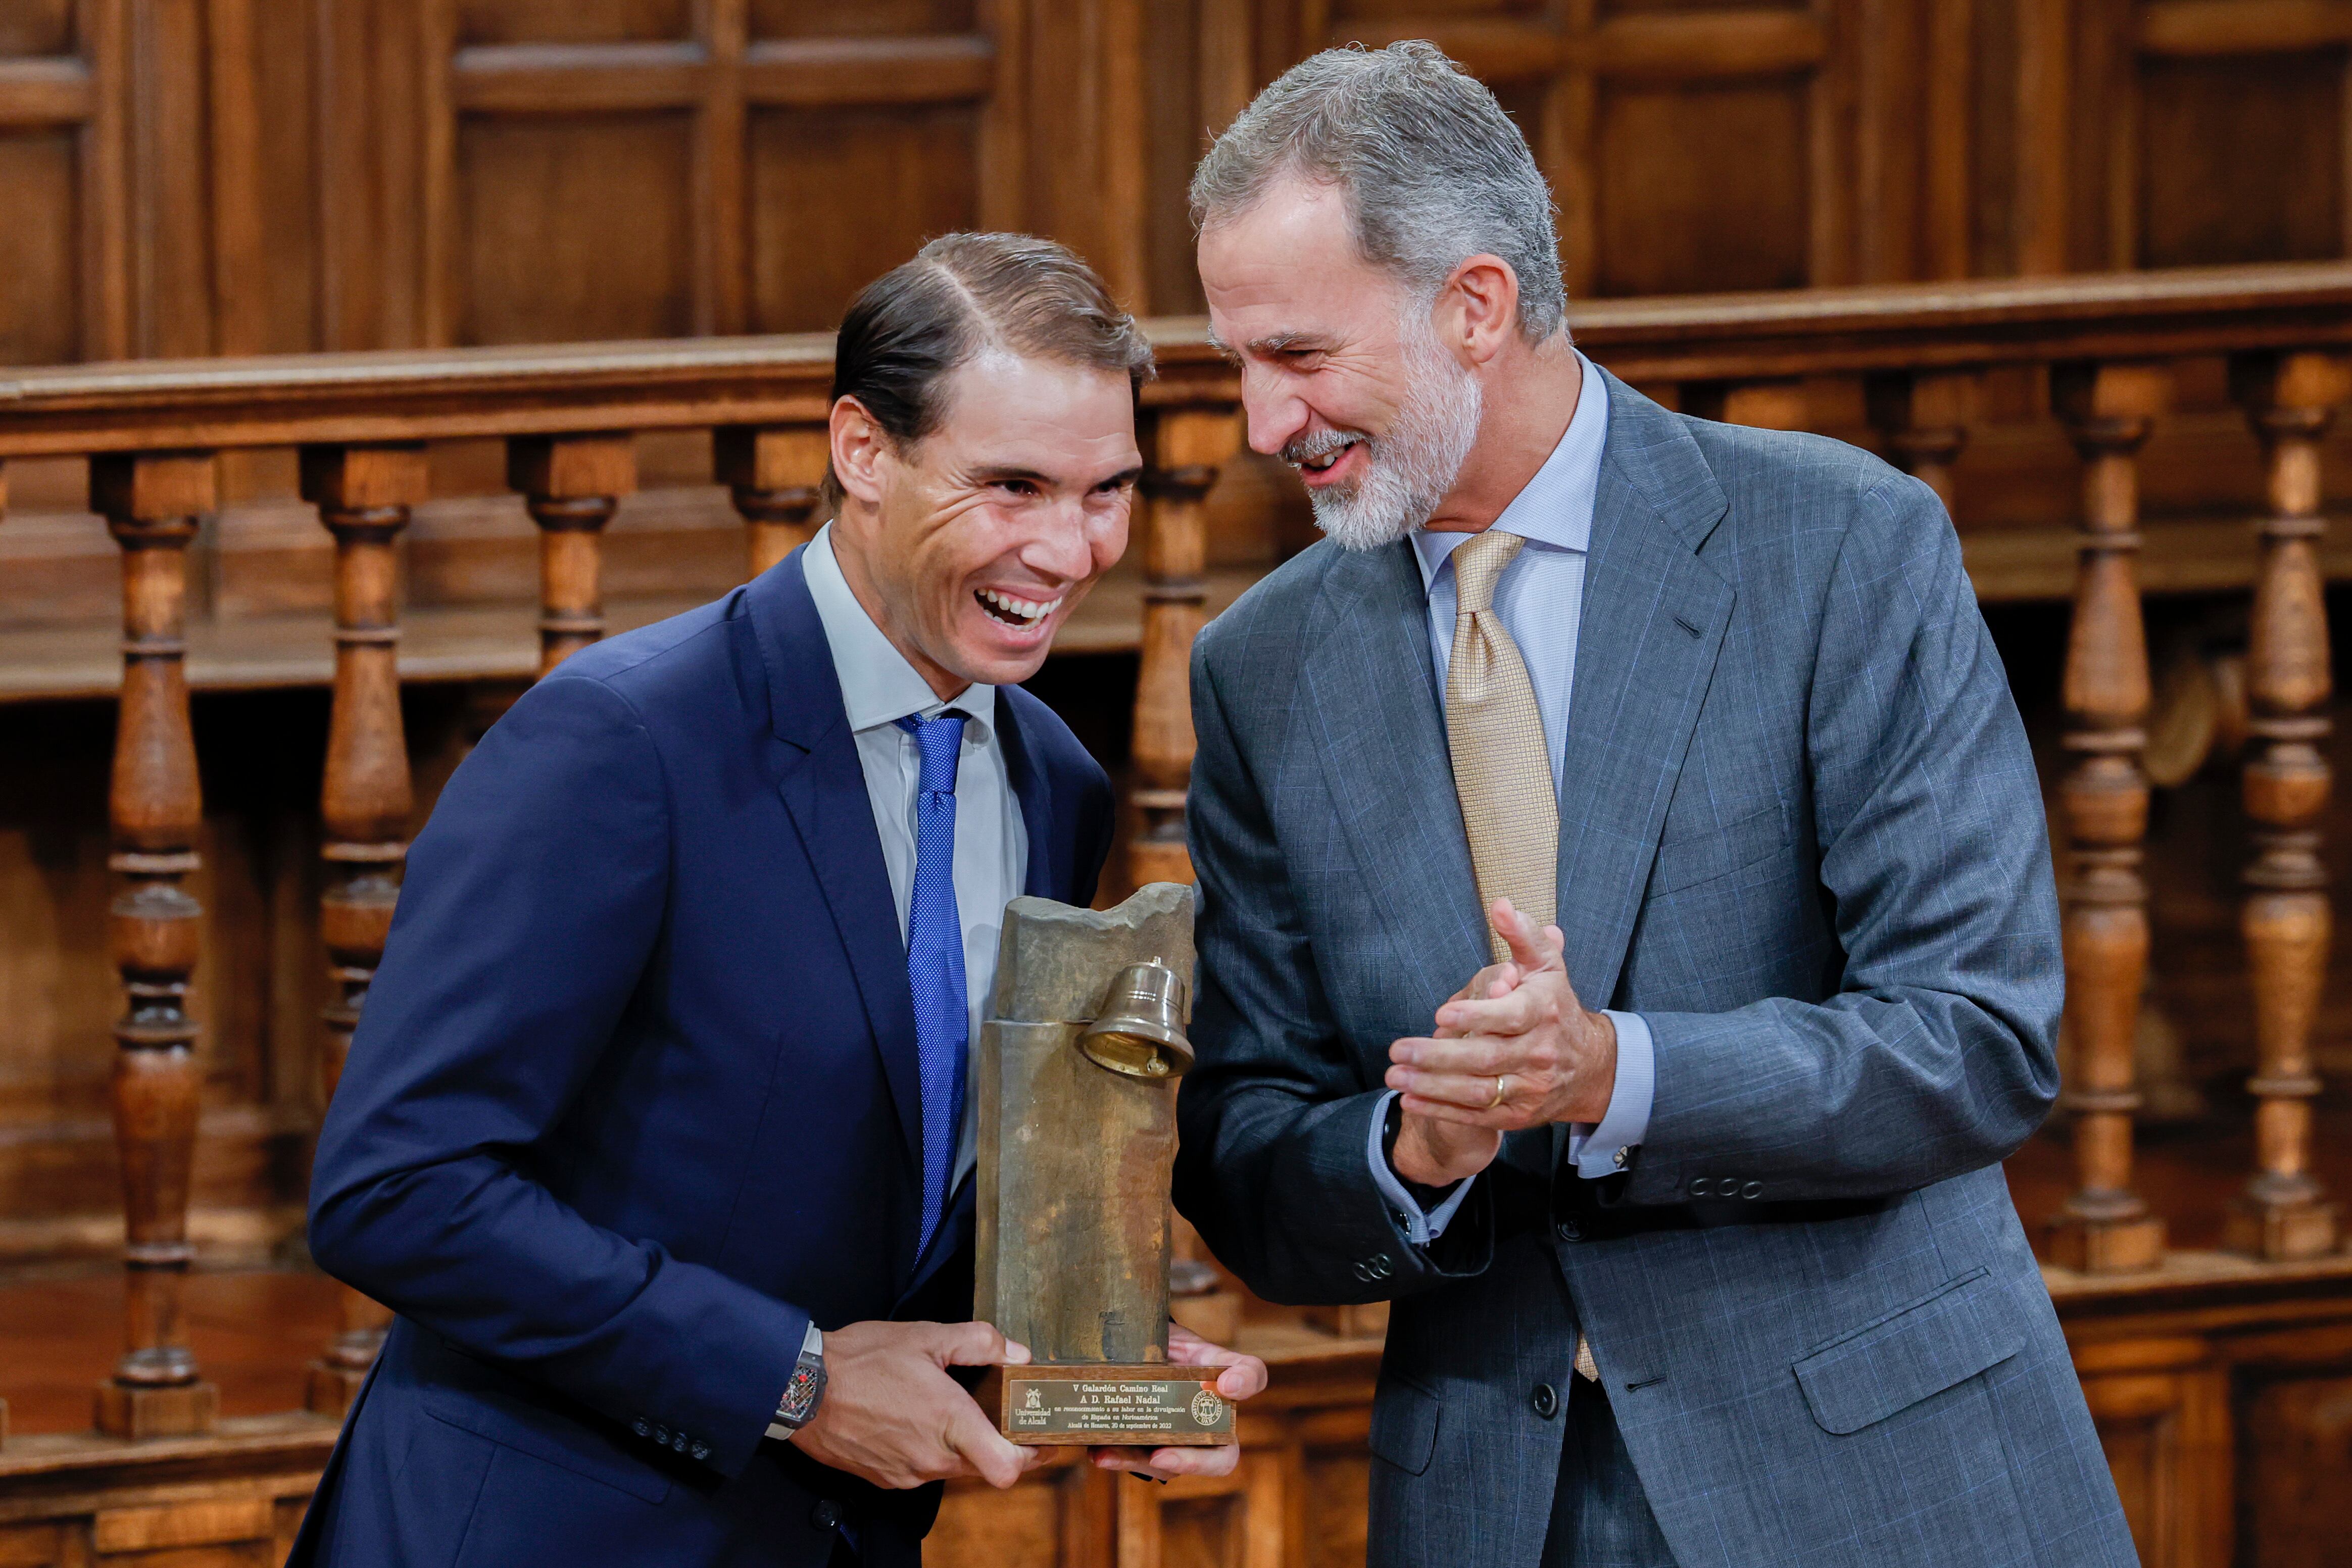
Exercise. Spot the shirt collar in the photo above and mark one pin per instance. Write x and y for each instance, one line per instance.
(1555, 509)
(877, 685)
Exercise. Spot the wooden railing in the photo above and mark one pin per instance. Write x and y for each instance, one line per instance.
(569, 417)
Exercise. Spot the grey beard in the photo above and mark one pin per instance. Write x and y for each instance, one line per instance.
(1414, 465)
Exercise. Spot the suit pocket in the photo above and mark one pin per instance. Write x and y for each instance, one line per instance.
(1404, 1423)
(1687, 861)
(544, 1434)
(1894, 1362)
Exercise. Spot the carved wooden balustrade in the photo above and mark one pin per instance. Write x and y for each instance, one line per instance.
(2153, 1330)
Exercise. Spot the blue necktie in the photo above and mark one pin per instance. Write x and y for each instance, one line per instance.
(934, 960)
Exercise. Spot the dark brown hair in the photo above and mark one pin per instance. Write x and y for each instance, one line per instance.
(962, 293)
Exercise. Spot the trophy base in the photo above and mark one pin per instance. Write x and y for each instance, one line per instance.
(1130, 1405)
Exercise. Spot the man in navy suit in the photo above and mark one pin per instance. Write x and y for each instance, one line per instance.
(655, 1134)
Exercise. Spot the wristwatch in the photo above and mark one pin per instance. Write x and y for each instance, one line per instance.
(805, 1391)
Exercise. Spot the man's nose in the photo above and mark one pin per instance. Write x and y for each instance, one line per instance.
(1275, 417)
(1061, 549)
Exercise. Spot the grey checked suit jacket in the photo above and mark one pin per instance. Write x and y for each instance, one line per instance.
(1801, 833)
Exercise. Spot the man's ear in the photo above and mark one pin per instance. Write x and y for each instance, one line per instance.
(860, 447)
(1478, 309)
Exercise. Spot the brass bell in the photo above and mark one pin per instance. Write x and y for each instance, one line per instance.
(1140, 1029)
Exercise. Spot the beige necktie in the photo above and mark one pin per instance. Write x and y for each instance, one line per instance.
(1502, 771)
(1502, 767)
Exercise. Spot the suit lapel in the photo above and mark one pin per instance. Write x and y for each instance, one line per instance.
(1654, 622)
(824, 788)
(1047, 874)
(1373, 695)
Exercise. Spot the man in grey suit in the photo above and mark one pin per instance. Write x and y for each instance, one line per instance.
(1585, 703)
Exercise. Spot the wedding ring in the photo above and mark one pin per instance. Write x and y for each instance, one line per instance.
(1498, 1091)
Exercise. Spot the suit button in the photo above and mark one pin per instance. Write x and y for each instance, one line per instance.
(642, 1427)
(661, 1434)
(702, 1450)
(826, 1514)
(1545, 1400)
(1700, 1186)
(1381, 1265)
(677, 1441)
(1569, 1230)
(1752, 1190)
(1364, 1271)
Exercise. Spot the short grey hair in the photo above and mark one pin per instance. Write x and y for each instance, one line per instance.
(1432, 169)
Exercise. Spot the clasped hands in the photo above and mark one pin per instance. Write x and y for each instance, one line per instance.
(892, 1416)
(1514, 1049)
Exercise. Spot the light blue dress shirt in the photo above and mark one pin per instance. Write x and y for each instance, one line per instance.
(1540, 598)
(878, 687)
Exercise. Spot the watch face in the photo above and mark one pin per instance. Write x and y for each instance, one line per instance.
(799, 1394)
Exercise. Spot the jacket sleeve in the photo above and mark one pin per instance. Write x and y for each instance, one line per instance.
(1276, 1112)
(533, 901)
(1935, 1053)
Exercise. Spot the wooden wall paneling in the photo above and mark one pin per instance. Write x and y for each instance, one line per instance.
(720, 262)
(2246, 115)
(2162, 1408)
(1087, 121)
(2289, 1395)
(62, 73)
(2042, 60)
(172, 248)
(151, 504)
(380, 194)
(1004, 162)
(239, 305)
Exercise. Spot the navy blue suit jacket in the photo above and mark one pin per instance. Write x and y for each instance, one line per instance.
(634, 1097)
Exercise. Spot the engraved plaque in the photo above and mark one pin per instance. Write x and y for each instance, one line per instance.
(1129, 1406)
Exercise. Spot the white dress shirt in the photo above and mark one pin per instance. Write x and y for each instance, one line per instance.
(878, 687)
(1540, 598)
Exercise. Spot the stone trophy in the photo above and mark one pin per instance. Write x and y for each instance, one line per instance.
(1076, 1086)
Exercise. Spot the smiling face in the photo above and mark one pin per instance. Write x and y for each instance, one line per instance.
(1343, 376)
(970, 546)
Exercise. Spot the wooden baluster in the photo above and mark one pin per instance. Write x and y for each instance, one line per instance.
(1925, 416)
(152, 502)
(2284, 1212)
(363, 495)
(775, 472)
(2108, 409)
(570, 485)
(1776, 403)
(1183, 450)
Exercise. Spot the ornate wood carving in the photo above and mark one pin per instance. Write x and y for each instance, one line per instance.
(1183, 450)
(571, 484)
(2108, 409)
(363, 495)
(152, 502)
(2286, 918)
(1925, 418)
(773, 473)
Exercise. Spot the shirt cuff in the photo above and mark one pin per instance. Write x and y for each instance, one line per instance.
(812, 1344)
(1606, 1147)
(1421, 1226)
